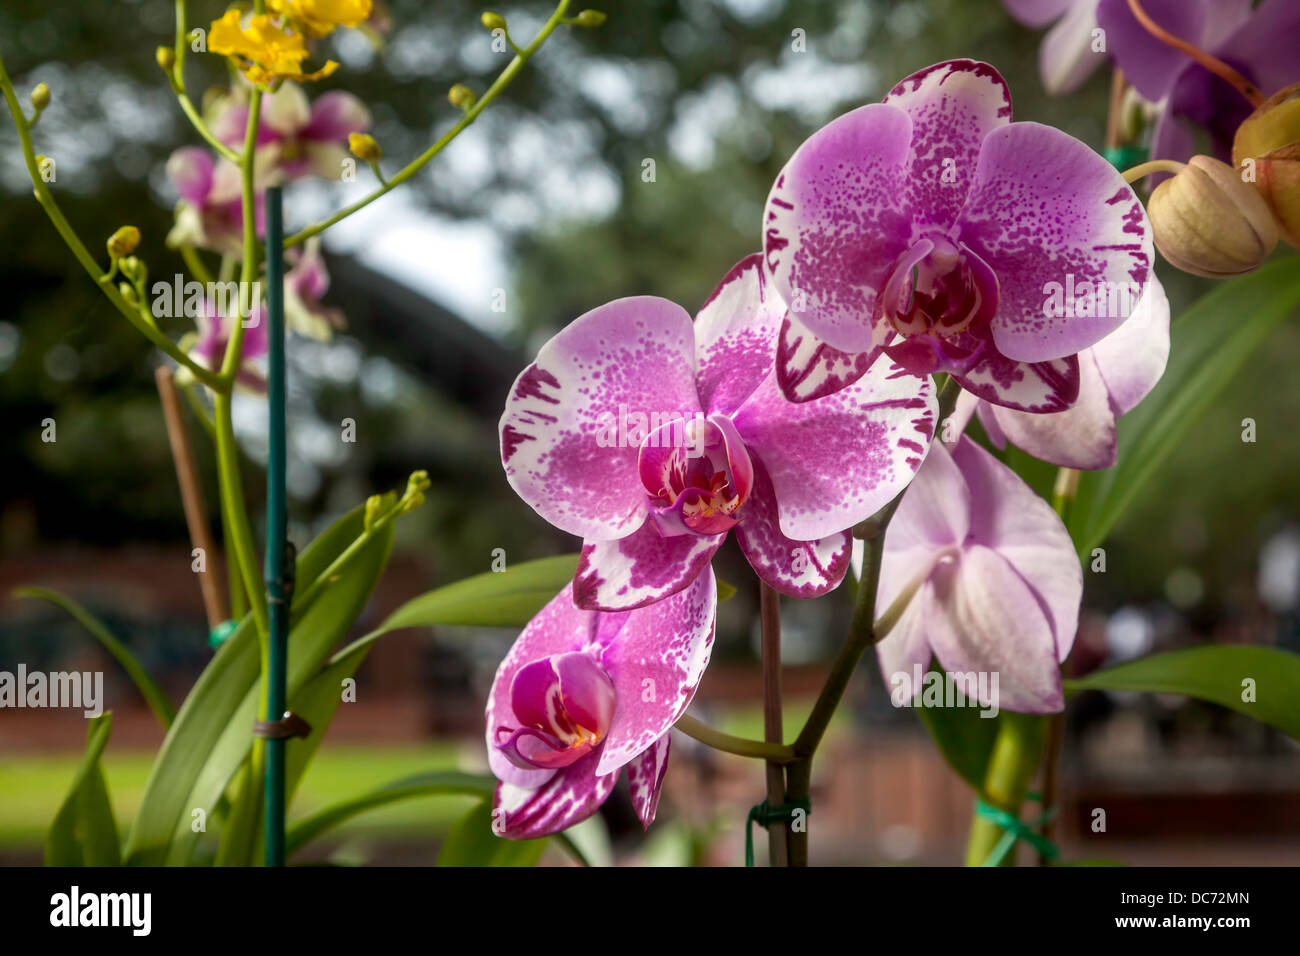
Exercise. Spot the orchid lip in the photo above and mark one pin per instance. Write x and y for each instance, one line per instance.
(940, 288)
(564, 704)
(698, 483)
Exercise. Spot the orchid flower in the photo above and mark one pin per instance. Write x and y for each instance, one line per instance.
(583, 694)
(309, 137)
(262, 49)
(210, 213)
(305, 284)
(1066, 57)
(1114, 375)
(993, 579)
(652, 438)
(1260, 44)
(214, 335)
(929, 228)
(319, 18)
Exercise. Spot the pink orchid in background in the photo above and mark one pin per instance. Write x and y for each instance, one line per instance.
(583, 694)
(1114, 375)
(1066, 57)
(214, 335)
(1259, 43)
(652, 437)
(929, 228)
(210, 213)
(309, 138)
(305, 284)
(997, 582)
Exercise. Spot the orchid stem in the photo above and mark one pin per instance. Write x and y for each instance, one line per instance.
(770, 627)
(1153, 166)
(740, 746)
(1212, 63)
(1016, 752)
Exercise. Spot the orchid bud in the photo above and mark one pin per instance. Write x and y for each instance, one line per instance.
(461, 96)
(134, 270)
(123, 242)
(374, 506)
(1208, 222)
(493, 21)
(1266, 150)
(166, 57)
(364, 147)
(40, 97)
(128, 293)
(589, 18)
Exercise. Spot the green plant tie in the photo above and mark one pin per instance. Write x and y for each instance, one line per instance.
(1017, 829)
(764, 814)
(221, 633)
(1125, 157)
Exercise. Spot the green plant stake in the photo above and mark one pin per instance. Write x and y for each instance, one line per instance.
(277, 588)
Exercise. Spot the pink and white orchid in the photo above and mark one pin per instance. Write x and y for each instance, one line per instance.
(305, 284)
(929, 228)
(307, 138)
(995, 583)
(210, 212)
(583, 694)
(214, 335)
(652, 438)
(1114, 375)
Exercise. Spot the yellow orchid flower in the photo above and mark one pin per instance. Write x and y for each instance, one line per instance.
(320, 17)
(265, 51)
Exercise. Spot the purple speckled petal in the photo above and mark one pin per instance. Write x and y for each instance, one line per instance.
(1133, 357)
(807, 368)
(1066, 57)
(1009, 517)
(839, 459)
(1150, 65)
(656, 662)
(565, 434)
(802, 569)
(1082, 436)
(735, 336)
(334, 115)
(569, 796)
(645, 777)
(984, 618)
(1039, 387)
(953, 106)
(1036, 14)
(640, 569)
(833, 224)
(558, 628)
(191, 170)
(1048, 213)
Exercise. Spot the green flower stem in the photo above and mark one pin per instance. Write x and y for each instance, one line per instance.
(740, 746)
(177, 79)
(471, 114)
(1016, 752)
(1154, 166)
(195, 264)
(137, 316)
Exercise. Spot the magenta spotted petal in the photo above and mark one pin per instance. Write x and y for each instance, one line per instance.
(583, 694)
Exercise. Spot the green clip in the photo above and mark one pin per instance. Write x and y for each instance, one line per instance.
(221, 633)
(1125, 157)
(1017, 829)
(764, 814)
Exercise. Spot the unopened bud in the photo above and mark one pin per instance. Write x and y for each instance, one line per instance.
(363, 146)
(123, 242)
(1208, 222)
(374, 506)
(589, 18)
(461, 96)
(166, 57)
(40, 97)
(1266, 152)
(493, 21)
(134, 269)
(128, 293)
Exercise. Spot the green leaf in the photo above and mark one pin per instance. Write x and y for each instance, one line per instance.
(472, 842)
(157, 700)
(1211, 342)
(212, 735)
(1216, 673)
(84, 832)
(964, 737)
(420, 785)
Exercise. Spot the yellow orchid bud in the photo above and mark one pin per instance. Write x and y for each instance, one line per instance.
(123, 242)
(493, 21)
(1266, 151)
(461, 96)
(589, 18)
(364, 147)
(40, 97)
(166, 57)
(1208, 222)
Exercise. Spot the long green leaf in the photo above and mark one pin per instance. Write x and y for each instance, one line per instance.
(84, 832)
(421, 785)
(1260, 682)
(1211, 342)
(472, 842)
(964, 737)
(212, 734)
(153, 694)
